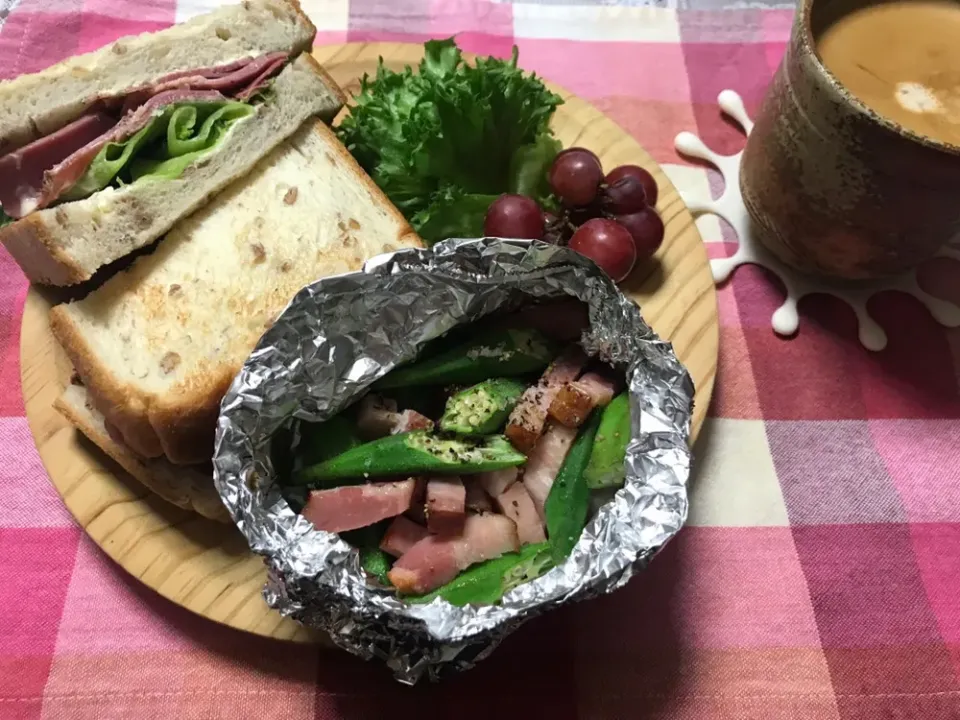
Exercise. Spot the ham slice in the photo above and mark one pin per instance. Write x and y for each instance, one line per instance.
(356, 506)
(437, 559)
(446, 504)
(22, 171)
(577, 399)
(402, 535)
(238, 79)
(495, 482)
(517, 505)
(529, 416)
(477, 499)
(545, 462)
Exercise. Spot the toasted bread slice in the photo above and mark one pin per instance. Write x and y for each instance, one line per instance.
(35, 105)
(187, 487)
(68, 243)
(158, 344)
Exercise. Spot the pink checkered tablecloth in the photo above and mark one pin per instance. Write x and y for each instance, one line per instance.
(819, 576)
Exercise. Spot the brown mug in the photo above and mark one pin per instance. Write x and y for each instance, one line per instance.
(834, 188)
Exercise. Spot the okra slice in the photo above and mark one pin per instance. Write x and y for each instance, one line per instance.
(606, 467)
(415, 453)
(482, 409)
(493, 353)
(568, 503)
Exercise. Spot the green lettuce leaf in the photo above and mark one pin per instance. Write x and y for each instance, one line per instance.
(450, 132)
(4, 218)
(176, 137)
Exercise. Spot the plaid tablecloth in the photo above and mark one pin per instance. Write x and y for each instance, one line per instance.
(819, 576)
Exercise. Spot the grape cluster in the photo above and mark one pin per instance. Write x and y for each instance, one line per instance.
(610, 219)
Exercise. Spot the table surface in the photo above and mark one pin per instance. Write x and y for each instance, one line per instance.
(819, 574)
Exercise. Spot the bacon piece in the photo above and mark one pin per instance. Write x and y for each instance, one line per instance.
(410, 420)
(545, 462)
(437, 559)
(402, 535)
(577, 399)
(477, 499)
(528, 417)
(495, 482)
(356, 506)
(517, 505)
(446, 504)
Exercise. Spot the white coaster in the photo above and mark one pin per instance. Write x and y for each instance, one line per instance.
(730, 207)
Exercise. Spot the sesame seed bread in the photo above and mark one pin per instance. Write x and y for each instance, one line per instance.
(68, 243)
(187, 487)
(37, 104)
(158, 344)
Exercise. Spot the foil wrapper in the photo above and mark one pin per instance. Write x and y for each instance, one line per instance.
(337, 337)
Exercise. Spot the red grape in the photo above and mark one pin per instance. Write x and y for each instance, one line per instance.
(575, 177)
(608, 244)
(624, 196)
(576, 150)
(646, 228)
(645, 178)
(514, 216)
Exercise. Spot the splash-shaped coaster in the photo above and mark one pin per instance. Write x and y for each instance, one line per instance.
(730, 207)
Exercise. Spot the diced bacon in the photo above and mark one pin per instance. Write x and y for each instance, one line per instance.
(402, 535)
(446, 504)
(377, 416)
(418, 507)
(437, 559)
(356, 506)
(577, 399)
(517, 505)
(495, 482)
(545, 461)
(528, 417)
(477, 499)
(410, 420)
(563, 320)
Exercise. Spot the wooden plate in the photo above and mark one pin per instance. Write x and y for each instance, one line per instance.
(206, 566)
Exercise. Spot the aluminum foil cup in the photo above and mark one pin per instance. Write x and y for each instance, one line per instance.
(342, 333)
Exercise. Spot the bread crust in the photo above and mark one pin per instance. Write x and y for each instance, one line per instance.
(187, 488)
(180, 425)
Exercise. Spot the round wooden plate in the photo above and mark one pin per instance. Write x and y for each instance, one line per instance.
(206, 566)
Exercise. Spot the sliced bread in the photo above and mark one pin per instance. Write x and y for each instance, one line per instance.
(68, 243)
(158, 344)
(35, 105)
(187, 487)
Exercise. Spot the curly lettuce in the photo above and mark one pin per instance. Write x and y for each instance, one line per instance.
(444, 141)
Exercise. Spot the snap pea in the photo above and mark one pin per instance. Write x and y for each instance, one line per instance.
(493, 353)
(487, 582)
(483, 408)
(569, 500)
(606, 466)
(414, 453)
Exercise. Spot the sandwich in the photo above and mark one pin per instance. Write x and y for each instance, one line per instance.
(158, 344)
(103, 153)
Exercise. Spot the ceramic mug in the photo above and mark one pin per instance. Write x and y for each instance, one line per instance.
(835, 189)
